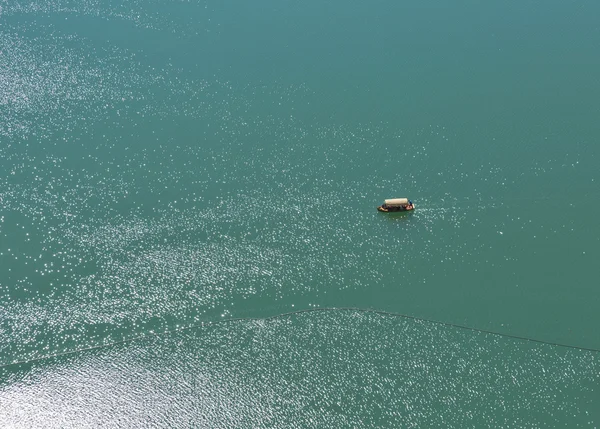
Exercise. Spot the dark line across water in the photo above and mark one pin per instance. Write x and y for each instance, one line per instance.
(292, 313)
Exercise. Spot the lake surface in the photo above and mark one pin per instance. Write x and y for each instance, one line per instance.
(178, 178)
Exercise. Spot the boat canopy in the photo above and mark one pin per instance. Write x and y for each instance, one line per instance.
(396, 202)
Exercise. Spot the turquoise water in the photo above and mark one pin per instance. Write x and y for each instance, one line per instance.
(167, 167)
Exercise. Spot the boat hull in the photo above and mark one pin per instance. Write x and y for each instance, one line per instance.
(395, 210)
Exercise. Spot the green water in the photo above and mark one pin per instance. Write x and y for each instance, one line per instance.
(166, 167)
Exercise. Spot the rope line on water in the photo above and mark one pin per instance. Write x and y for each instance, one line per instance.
(420, 319)
(293, 313)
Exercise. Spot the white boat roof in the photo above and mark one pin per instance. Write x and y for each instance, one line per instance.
(396, 202)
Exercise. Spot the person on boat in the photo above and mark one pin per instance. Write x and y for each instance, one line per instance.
(410, 205)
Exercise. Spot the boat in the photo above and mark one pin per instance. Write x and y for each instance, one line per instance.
(396, 205)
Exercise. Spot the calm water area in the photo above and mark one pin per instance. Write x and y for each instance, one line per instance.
(178, 179)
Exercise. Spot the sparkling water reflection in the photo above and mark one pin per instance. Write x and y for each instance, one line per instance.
(336, 368)
(166, 164)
